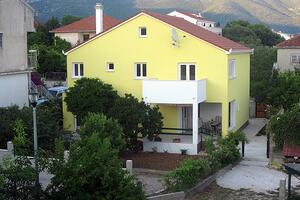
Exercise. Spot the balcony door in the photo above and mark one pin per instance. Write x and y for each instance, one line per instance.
(187, 117)
(187, 72)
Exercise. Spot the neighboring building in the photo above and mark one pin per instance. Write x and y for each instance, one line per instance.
(84, 29)
(16, 20)
(288, 54)
(199, 21)
(193, 75)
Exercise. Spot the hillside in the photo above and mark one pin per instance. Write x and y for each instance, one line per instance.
(279, 14)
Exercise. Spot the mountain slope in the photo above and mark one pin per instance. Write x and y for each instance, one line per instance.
(279, 14)
(283, 15)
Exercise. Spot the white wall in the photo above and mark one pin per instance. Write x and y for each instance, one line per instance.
(73, 38)
(284, 59)
(174, 92)
(209, 111)
(14, 90)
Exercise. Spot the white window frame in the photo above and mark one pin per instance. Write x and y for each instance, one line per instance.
(1, 39)
(187, 71)
(140, 31)
(232, 69)
(141, 70)
(107, 67)
(233, 113)
(73, 68)
(297, 59)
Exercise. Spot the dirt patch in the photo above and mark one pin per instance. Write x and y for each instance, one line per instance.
(156, 161)
(215, 192)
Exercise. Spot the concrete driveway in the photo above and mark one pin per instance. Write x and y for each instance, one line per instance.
(253, 172)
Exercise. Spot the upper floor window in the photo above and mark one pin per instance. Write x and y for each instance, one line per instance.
(78, 70)
(140, 70)
(295, 59)
(110, 67)
(143, 31)
(86, 37)
(232, 69)
(1, 40)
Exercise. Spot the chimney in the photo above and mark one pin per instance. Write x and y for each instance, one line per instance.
(99, 18)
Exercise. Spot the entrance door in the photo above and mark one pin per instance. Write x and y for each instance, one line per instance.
(187, 72)
(187, 117)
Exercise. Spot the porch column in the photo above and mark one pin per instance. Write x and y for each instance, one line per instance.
(195, 123)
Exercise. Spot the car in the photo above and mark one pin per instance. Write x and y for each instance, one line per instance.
(42, 100)
(57, 91)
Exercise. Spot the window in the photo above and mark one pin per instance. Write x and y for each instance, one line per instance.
(143, 31)
(77, 70)
(232, 115)
(110, 67)
(140, 70)
(86, 37)
(295, 59)
(1, 40)
(187, 72)
(232, 69)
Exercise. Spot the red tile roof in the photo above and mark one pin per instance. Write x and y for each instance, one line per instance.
(197, 31)
(293, 42)
(87, 25)
(195, 16)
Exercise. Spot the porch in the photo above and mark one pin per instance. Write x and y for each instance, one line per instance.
(188, 119)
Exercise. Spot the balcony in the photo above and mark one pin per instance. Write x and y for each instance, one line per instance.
(174, 92)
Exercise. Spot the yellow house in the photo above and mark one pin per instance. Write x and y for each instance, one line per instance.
(200, 80)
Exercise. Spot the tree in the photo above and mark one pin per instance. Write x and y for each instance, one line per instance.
(93, 171)
(104, 127)
(251, 35)
(286, 127)
(136, 118)
(68, 19)
(284, 91)
(90, 96)
(261, 73)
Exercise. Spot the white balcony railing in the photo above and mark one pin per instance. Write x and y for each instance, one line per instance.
(174, 92)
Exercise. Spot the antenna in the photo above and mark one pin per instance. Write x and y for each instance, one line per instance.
(175, 37)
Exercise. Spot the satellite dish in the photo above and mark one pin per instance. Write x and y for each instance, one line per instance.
(175, 37)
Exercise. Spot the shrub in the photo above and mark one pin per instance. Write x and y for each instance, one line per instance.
(93, 171)
(17, 179)
(104, 127)
(187, 174)
(48, 125)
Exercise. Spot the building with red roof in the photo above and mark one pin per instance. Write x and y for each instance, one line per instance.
(288, 54)
(199, 80)
(82, 30)
(198, 20)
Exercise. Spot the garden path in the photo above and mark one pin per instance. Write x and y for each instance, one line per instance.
(253, 173)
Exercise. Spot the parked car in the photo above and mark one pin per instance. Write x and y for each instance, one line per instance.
(57, 91)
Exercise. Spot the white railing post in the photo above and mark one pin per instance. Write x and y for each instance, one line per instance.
(129, 166)
(10, 147)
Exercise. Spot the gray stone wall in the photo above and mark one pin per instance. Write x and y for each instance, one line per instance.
(16, 20)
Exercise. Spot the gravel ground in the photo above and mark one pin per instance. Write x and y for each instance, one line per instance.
(215, 192)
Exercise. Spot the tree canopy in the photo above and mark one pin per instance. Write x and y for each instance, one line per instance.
(251, 35)
(68, 19)
(93, 170)
(91, 95)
